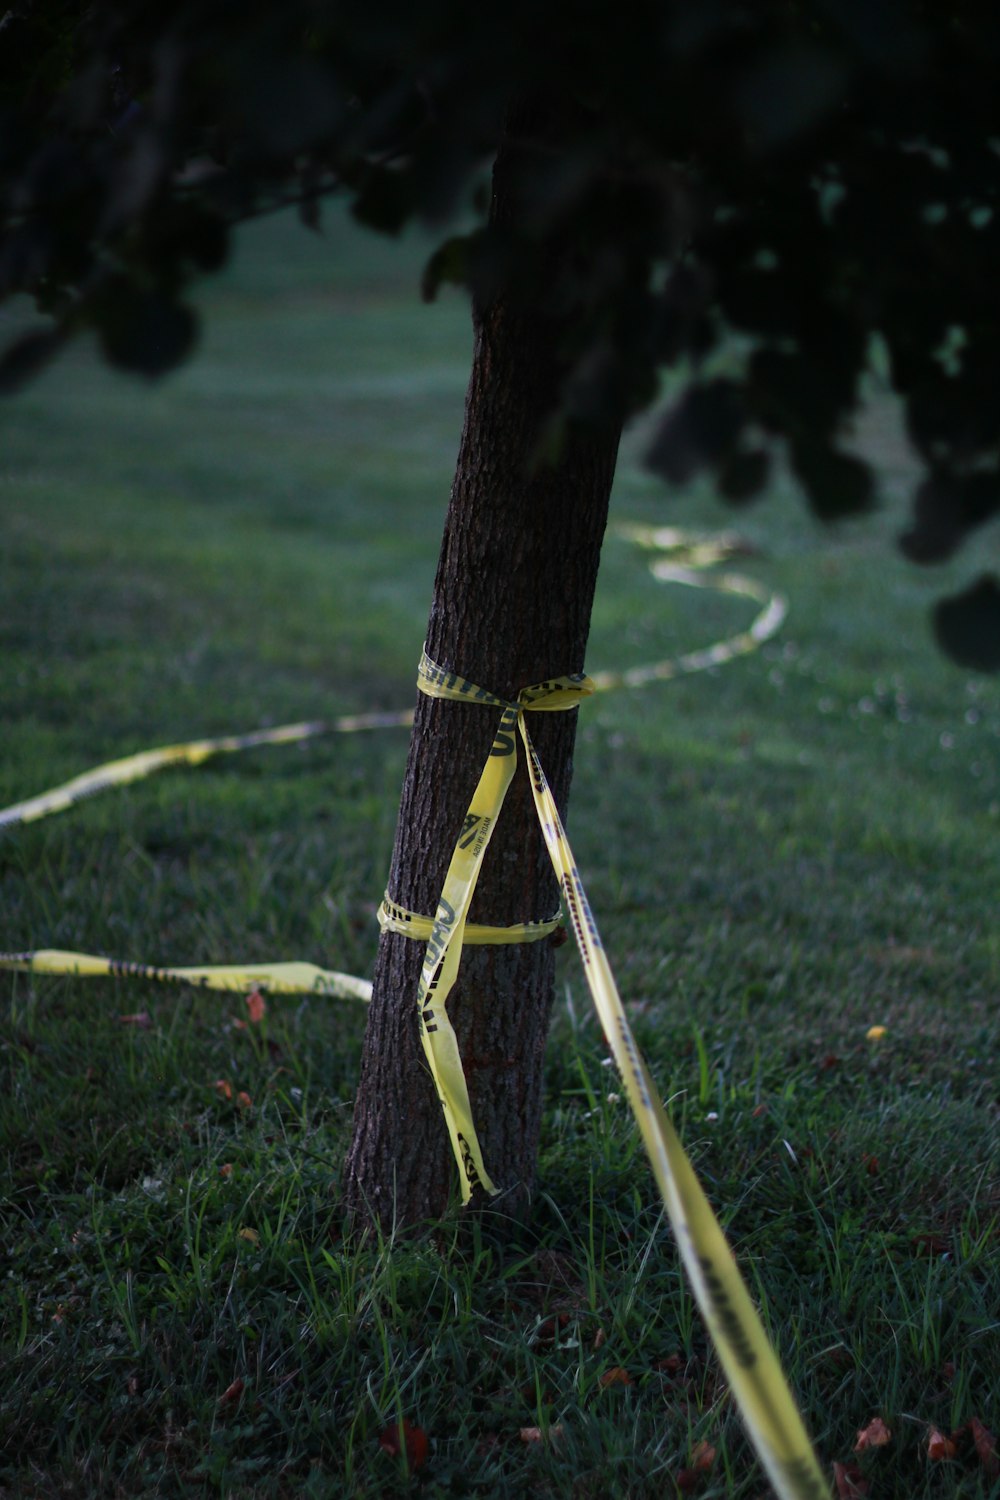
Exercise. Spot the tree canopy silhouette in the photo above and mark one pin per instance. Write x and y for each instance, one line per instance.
(803, 176)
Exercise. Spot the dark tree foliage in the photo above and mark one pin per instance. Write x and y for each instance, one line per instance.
(794, 177)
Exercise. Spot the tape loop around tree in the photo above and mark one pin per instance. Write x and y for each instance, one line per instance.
(411, 924)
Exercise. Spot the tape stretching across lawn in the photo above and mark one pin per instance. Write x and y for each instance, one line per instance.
(755, 1377)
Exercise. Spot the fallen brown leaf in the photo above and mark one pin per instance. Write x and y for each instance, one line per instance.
(939, 1447)
(538, 1435)
(232, 1392)
(404, 1435)
(256, 1009)
(617, 1375)
(702, 1456)
(875, 1435)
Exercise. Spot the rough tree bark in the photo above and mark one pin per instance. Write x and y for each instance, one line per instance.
(511, 606)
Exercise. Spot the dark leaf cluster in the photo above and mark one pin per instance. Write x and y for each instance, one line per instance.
(757, 196)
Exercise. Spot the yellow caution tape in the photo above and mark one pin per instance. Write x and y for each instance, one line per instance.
(277, 979)
(292, 978)
(753, 1371)
(751, 1366)
(444, 946)
(395, 918)
(686, 555)
(764, 626)
(750, 1363)
(193, 753)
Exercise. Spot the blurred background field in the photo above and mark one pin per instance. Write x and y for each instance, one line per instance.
(782, 853)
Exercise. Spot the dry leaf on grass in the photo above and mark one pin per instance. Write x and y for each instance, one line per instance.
(232, 1392)
(540, 1435)
(617, 1375)
(875, 1435)
(400, 1436)
(940, 1447)
(256, 1009)
(702, 1458)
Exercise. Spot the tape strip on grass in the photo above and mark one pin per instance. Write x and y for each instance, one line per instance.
(757, 1382)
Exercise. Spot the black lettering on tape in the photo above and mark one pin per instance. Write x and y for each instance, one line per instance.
(440, 932)
(468, 833)
(634, 1061)
(467, 1161)
(572, 893)
(503, 743)
(732, 1326)
(537, 774)
(588, 915)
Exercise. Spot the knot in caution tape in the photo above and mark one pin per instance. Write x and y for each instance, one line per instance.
(449, 926)
(557, 695)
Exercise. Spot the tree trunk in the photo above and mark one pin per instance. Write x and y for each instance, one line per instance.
(511, 606)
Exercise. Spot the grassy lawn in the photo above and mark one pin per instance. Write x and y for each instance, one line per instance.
(782, 853)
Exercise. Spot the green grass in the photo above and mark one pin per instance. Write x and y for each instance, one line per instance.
(781, 854)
